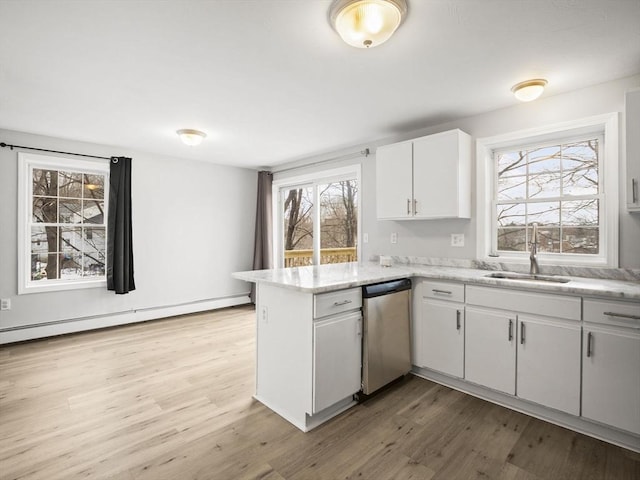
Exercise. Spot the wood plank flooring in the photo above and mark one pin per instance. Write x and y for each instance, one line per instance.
(171, 399)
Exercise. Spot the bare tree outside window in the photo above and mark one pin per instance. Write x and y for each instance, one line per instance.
(338, 218)
(67, 225)
(555, 186)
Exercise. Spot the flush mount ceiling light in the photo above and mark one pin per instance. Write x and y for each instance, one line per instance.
(366, 23)
(191, 137)
(529, 90)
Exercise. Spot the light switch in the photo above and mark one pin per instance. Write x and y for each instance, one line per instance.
(394, 237)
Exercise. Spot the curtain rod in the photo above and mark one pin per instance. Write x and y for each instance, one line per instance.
(4, 145)
(366, 152)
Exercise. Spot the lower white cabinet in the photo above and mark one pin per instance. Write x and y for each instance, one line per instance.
(440, 345)
(490, 349)
(534, 357)
(337, 353)
(548, 365)
(611, 364)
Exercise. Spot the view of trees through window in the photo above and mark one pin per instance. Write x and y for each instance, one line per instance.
(67, 227)
(555, 186)
(338, 220)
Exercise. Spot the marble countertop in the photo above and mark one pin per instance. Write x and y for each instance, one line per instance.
(325, 278)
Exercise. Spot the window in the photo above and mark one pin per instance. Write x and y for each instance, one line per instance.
(564, 180)
(62, 223)
(317, 220)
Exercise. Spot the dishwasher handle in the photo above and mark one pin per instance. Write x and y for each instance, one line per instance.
(385, 288)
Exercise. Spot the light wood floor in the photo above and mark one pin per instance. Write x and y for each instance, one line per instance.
(171, 399)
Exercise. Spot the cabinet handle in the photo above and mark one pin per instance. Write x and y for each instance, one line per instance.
(622, 315)
(408, 206)
(415, 206)
(634, 190)
(344, 302)
(510, 329)
(457, 319)
(521, 333)
(443, 292)
(589, 344)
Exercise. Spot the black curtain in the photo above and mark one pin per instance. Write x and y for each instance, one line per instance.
(119, 228)
(262, 251)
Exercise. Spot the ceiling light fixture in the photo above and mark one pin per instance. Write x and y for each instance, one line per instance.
(191, 137)
(529, 90)
(366, 23)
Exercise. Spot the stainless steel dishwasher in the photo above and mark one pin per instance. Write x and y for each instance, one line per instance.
(386, 343)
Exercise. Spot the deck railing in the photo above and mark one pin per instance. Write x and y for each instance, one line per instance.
(300, 258)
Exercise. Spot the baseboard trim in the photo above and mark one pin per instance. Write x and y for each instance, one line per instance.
(61, 327)
(577, 424)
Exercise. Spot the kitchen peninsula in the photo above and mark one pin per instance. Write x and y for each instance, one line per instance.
(298, 344)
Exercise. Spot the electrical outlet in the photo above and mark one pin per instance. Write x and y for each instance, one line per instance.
(365, 238)
(394, 237)
(5, 304)
(457, 239)
(264, 314)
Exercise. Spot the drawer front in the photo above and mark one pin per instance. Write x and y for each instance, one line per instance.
(330, 303)
(608, 312)
(443, 290)
(549, 305)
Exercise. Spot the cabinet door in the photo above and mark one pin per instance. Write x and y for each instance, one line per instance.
(394, 186)
(490, 349)
(337, 353)
(548, 370)
(440, 169)
(632, 112)
(442, 331)
(611, 377)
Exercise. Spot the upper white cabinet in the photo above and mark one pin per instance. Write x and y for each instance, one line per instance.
(425, 178)
(632, 111)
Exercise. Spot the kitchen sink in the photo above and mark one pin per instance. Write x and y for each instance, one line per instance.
(529, 277)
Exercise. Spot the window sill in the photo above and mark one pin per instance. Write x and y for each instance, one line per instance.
(62, 286)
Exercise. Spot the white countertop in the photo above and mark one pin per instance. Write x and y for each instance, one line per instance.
(325, 278)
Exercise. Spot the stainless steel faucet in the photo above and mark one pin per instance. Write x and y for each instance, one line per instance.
(534, 269)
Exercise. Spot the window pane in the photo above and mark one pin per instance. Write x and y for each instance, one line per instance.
(45, 210)
(298, 227)
(512, 239)
(512, 163)
(44, 266)
(548, 239)
(93, 211)
(543, 213)
(338, 221)
(580, 213)
(512, 188)
(45, 182)
(544, 159)
(511, 214)
(580, 168)
(40, 238)
(71, 239)
(71, 266)
(580, 240)
(93, 186)
(70, 211)
(70, 184)
(544, 185)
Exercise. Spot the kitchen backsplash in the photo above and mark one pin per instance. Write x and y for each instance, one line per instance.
(625, 274)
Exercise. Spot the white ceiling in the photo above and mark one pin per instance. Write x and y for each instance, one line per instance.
(271, 82)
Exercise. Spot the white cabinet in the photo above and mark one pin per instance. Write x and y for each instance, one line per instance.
(440, 345)
(337, 353)
(611, 364)
(548, 366)
(425, 178)
(512, 348)
(632, 113)
(490, 349)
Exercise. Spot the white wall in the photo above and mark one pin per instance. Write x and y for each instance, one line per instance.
(432, 238)
(193, 225)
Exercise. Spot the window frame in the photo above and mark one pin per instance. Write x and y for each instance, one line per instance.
(27, 162)
(311, 180)
(603, 126)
